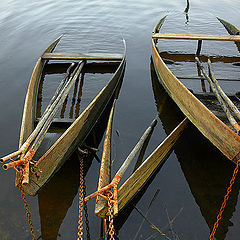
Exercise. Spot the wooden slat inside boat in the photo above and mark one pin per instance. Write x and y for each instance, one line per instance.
(202, 109)
(76, 126)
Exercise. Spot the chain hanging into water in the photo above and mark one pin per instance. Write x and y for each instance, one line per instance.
(28, 213)
(80, 209)
(110, 215)
(225, 201)
(86, 211)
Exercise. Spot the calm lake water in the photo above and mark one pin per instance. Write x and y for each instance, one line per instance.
(193, 180)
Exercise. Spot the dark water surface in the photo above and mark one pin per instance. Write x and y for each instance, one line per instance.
(193, 180)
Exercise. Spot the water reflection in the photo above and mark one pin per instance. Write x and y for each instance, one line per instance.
(206, 170)
(56, 197)
(26, 28)
(71, 107)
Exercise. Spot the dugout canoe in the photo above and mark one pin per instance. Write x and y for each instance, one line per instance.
(192, 105)
(51, 160)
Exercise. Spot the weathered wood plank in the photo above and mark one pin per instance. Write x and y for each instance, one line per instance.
(184, 57)
(196, 37)
(79, 56)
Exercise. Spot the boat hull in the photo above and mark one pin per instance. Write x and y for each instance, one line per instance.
(227, 141)
(74, 136)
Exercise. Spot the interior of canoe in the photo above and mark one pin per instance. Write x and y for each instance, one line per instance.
(95, 74)
(178, 51)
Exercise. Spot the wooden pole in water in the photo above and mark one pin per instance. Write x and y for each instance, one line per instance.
(59, 101)
(48, 110)
(42, 121)
(37, 136)
(135, 150)
(59, 88)
(222, 103)
(221, 92)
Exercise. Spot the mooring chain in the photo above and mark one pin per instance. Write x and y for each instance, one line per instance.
(28, 213)
(225, 201)
(110, 215)
(86, 211)
(80, 208)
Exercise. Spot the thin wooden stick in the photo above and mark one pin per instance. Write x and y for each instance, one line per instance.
(142, 152)
(153, 226)
(59, 88)
(222, 103)
(149, 206)
(222, 93)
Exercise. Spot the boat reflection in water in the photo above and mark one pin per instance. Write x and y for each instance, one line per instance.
(206, 170)
(57, 196)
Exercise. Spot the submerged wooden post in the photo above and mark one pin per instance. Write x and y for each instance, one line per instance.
(199, 47)
(135, 150)
(222, 103)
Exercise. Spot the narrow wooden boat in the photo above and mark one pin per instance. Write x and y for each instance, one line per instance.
(196, 106)
(74, 136)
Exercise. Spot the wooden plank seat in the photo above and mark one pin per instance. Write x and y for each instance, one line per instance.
(79, 56)
(196, 37)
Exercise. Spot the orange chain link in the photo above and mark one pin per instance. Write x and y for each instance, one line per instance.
(28, 213)
(224, 201)
(110, 215)
(80, 209)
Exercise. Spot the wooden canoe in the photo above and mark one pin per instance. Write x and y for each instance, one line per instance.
(214, 129)
(132, 186)
(74, 136)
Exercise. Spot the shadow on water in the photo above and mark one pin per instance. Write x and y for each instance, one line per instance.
(206, 170)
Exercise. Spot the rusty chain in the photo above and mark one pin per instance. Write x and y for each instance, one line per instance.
(86, 211)
(110, 215)
(225, 201)
(80, 209)
(28, 213)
